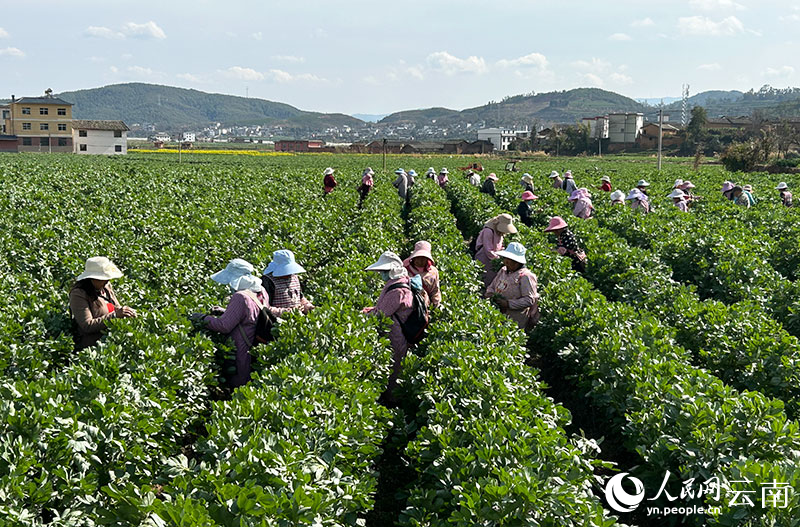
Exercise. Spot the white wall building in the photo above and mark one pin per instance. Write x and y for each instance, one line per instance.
(163, 137)
(624, 127)
(99, 137)
(502, 137)
(189, 137)
(598, 126)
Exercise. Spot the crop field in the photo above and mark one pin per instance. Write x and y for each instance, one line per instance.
(677, 353)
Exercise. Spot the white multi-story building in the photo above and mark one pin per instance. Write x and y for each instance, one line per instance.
(189, 137)
(598, 126)
(502, 137)
(163, 137)
(99, 137)
(624, 127)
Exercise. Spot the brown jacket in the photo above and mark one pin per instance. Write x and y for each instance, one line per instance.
(90, 316)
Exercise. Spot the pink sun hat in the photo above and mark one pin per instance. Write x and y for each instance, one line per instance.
(492, 176)
(556, 222)
(422, 248)
(687, 185)
(528, 195)
(727, 186)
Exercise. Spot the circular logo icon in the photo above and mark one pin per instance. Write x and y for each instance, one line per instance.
(618, 499)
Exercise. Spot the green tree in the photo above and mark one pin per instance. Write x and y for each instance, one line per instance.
(696, 130)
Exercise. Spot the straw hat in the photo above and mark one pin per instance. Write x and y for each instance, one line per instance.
(556, 223)
(284, 264)
(502, 223)
(515, 251)
(748, 188)
(617, 195)
(100, 268)
(528, 195)
(422, 248)
(553, 174)
(677, 193)
(328, 171)
(782, 186)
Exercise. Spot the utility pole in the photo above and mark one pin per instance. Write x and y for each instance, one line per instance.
(384, 154)
(660, 134)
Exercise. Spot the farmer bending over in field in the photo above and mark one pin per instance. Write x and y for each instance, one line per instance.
(567, 243)
(727, 190)
(679, 200)
(442, 179)
(557, 181)
(786, 196)
(421, 264)
(569, 184)
(617, 197)
(92, 301)
(489, 241)
(605, 184)
(238, 319)
(329, 182)
(639, 200)
(582, 203)
(527, 183)
(514, 290)
(740, 197)
(282, 286)
(525, 208)
(395, 302)
(366, 185)
(488, 185)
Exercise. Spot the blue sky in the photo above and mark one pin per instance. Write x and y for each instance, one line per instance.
(380, 57)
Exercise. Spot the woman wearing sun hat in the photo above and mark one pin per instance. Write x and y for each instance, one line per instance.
(420, 263)
(442, 179)
(238, 319)
(92, 301)
(490, 240)
(617, 197)
(679, 200)
(582, 203)
(786, 196)
(605, 184)
(567, 244)
(514, 289)
(525, 208)
(329, 182)
(366, 185)
(431, 173)
(557, 181)
(282, 285)
(639, 200)
(527, 183)
(569, 183)
(727, 190)
(395, 302)
(488, 185)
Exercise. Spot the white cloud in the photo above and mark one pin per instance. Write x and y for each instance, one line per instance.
(12, 52)
(258, 36)
(451, 65)
(645, 22)
(619, 37)
(709, 67)
(595, 65)
(592, 79)
(533, 60)
(3, 33)
(113, 69)
(783, 71)
(140, 71)
(370, 79)
(102, 32)
(715, 5)
(416, 72)
(620, 79)
(189, 77)
(147, 30)
(289, 58)
(284, 76)
(245, 74)
(700, 25)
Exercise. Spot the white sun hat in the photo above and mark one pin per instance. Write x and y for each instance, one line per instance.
(235, 269)
(328, 171)
(553, 174)
(387, 261)
(782, 186)
(100, 268)
(678, 183)
(515, 251)
(444, 171)
(642, 183)
(617, 195)
(605, 178)
(677, 194)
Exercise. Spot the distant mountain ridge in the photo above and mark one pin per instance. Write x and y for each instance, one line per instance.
(170, 108)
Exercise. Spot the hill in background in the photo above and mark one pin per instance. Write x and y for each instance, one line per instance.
(169, 107)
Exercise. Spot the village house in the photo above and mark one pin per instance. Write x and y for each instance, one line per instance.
(99, 137)
(37, 124)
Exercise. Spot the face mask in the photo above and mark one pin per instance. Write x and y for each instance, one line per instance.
(384, 275)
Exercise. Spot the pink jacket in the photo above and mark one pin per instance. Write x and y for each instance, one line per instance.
(583, 208)
(442, 179)
(430, 281)
(396, 303)
(520, 289)
(488, 243)
(682, 206)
